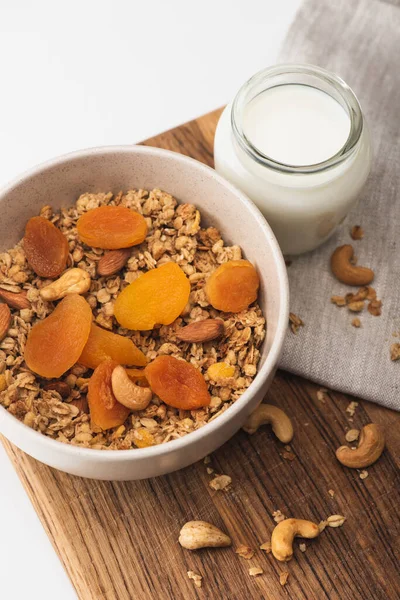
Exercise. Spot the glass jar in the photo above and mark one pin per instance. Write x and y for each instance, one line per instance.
(302, 203)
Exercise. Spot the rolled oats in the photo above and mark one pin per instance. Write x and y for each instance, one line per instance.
(175, 234)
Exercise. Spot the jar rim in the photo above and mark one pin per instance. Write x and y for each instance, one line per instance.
(333, 81)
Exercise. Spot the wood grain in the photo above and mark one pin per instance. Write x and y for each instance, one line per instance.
(118, 541)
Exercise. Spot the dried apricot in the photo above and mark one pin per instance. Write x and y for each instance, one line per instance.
(177, 383)
(233, 286)
(55, 344)
(112, 227)
(103, 344)
(46, 247)
(158, 296)
(138, 377)
(105, 411)
(220, 370)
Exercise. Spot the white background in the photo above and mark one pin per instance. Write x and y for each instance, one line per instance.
(86, 73)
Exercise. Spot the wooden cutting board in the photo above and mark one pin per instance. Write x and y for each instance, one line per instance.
(118, 541)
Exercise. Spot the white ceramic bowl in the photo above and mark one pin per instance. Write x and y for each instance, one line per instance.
(59, 182)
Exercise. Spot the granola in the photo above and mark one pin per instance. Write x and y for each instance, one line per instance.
(175, 234)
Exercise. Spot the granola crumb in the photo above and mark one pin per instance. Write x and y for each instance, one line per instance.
(364, 474)
(207, 460)
(335, 520)
(356, 322)
(331, 493)
(352, 435)
(322, 395)
(371, 293)
(375, 308)
(245, 552)
(288, 455)
(357, 306)
(338, 300)
(295, 322)
(278, 516)
(254, 571)
(197, 579)
(351, 409)
(302, 547)
(357, 232)
(283, 577)
(220, 482)
(210, 470)
(266, 546)
(395, 351)
(322, 525)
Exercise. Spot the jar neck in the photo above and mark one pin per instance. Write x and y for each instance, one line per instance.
(310, 76)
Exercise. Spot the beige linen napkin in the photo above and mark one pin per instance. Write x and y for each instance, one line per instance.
(360, 41)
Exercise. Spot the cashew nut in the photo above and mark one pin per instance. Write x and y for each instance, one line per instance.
(370, 447)
(268, 414)
(128, 393)
(200, 534)
(284, 534)
(345, 271)
(74, 281)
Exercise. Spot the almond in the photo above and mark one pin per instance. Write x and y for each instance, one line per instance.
(59, 386)
(201, 331)
(82, 404)
(113, 261)
(18, 301)
(5, 320)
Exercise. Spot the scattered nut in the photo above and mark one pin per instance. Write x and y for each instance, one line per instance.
(284, 534)
(283, 577)
(345, 271)
(335, 520)
(375, 308)
(295, 322)
(210, 470)
(370, 448)
(200, 534)
(207, 460)
(352, 435)
(128, 393)
(394, 351)
(245, 552)
(268, 414)
(196, 578)
(5, 320)
(201, 331)
(220, 482)
(357, 232)
(15, 300)
(371, 295)
(113, 261)
(73, 281)
(266, 546)
(356, 322)
(288, 455)
(254, 571)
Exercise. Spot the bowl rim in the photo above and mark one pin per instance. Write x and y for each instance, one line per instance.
(161, 450)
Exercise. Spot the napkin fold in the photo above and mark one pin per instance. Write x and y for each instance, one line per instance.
(360, 41)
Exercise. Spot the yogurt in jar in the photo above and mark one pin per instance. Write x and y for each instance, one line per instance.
(295, 141)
